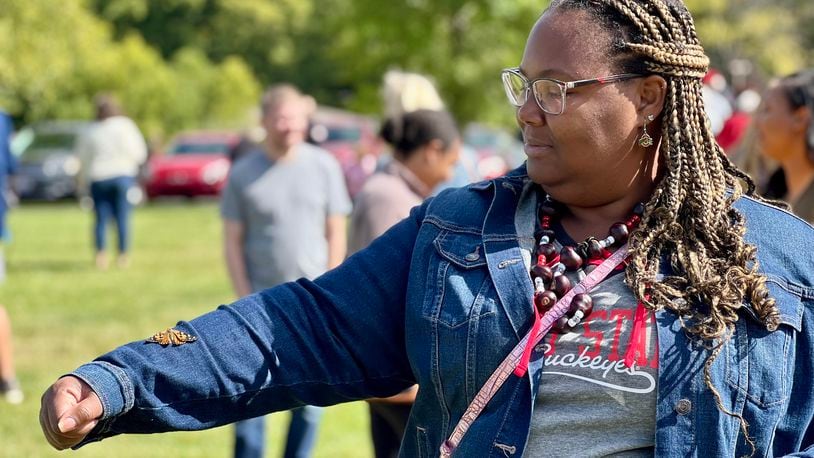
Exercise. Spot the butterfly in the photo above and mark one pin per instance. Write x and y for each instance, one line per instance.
(171, 336)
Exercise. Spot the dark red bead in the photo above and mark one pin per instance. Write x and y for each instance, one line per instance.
(582, 302)
(561, 285)
(547, 249)
(570, 258)
(619, 232)
(548, 210)
(579, 309)
(562, 323)
(543, 272)
(594, 249)
(544, 300)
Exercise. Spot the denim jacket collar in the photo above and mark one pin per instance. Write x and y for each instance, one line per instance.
(504, 259)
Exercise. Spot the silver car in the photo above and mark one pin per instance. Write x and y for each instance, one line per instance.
(48, 163)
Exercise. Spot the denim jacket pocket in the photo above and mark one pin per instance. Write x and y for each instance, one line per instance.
(761, 362)
(462, 281)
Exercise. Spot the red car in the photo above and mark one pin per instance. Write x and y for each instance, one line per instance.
(195, 164)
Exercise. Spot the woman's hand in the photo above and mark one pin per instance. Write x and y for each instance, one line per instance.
(69, 410)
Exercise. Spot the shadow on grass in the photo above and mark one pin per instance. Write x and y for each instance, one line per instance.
(49, 265)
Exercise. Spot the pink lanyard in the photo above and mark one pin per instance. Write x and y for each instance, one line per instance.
(536, 334)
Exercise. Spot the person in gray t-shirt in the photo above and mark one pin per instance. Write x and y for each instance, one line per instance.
(284, 209)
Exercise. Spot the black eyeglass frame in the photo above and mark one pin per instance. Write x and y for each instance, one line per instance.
(564, 86)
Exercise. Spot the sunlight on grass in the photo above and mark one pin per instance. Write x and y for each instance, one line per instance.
(65, 313)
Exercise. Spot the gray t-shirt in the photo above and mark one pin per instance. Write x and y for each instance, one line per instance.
(284, 206)
(589, 403)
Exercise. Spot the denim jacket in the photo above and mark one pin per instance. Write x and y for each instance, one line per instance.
(439, 300)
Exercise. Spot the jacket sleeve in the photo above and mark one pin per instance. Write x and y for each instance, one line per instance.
(335, 339)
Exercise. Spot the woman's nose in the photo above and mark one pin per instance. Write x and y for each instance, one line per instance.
(530, 113)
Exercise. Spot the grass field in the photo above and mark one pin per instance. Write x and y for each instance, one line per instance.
(65, 312)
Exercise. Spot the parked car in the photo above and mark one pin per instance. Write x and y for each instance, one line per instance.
(48, 163)
(352, 138)
(498, 151)
(195, 164)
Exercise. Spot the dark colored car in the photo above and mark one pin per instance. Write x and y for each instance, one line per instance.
(195, 164)
(48, 164)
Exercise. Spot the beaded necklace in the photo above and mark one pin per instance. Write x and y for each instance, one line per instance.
(548, 272)
(552, 286)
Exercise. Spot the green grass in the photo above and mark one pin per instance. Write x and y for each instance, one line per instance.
(65, 312)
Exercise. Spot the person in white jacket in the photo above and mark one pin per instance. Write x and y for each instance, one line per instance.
(110, 153)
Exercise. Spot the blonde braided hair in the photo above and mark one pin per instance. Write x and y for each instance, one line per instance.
(689, 222)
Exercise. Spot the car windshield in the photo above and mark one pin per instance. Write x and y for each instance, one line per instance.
(482, 139)
(199, 148)
(324, 133)
(343, 134)
(44, 144)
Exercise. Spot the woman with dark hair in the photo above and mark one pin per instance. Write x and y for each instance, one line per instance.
(625, 292)
(425, 145)
(785, 127)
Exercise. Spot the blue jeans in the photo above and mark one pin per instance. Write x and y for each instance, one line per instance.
(110, 201)
(250, 435)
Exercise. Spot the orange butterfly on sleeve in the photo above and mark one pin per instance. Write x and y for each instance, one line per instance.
(171, 336)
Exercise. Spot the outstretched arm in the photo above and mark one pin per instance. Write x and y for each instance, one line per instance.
(336, 339)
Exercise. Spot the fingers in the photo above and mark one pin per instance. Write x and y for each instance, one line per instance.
(69, 411)
(54, 401)
(77, 417)
(47, 430)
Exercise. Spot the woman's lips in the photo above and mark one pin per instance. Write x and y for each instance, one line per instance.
(537, 149)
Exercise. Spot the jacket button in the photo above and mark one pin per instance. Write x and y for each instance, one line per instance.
(683, 406)
(471, 257)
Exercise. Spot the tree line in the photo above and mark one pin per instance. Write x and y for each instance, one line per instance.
(178, 64)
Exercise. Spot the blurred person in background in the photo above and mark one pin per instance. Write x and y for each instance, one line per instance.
(9, 386)
(8, 167)
(785, 133)
(388, 195)
(284, 212)
(736, 127)
(250, 140)
(716, 100)
(403, 92)
(110, 154)
(426, 145)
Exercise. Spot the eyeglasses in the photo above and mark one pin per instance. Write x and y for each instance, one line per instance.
(549, 93)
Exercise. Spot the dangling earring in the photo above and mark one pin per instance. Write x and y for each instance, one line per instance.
(646, 141)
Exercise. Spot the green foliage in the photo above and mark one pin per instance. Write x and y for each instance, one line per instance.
(264, 34)
(338, 50)
(462, 44)
(192, 63)
(775, 35)
(56, 74)
(64, 312)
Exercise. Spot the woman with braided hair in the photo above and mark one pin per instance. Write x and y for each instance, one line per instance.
(622, 293)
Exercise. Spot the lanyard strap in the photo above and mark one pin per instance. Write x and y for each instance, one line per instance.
(501, 374)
